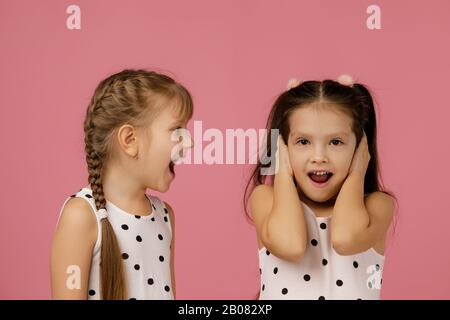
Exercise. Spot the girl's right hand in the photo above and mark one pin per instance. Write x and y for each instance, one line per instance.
(282, 158)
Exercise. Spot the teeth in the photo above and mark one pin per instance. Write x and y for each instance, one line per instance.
(320, 173)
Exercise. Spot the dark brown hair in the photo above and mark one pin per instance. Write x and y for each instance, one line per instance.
(354, 100)
(125, 97)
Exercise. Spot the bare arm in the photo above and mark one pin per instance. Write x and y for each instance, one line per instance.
(71, 251)
(172, 248)
(359, 224)
(278, 214)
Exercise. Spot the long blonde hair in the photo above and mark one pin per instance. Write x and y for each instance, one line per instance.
(126, 97)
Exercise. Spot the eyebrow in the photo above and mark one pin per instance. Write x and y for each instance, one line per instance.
(335, 134)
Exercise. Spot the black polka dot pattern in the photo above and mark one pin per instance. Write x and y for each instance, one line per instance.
(280, 280)
(145, 243)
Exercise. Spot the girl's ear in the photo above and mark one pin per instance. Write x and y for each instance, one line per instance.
(128, 140)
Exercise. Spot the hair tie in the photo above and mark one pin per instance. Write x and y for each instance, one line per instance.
(292, 83)
(102, 214)
(345, 80)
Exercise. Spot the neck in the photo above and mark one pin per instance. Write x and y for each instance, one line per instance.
(120, 188)
(314, 204)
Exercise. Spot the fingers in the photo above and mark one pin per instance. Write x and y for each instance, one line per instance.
(362, 144)
(281, 141)
(361, 156)
(283, 156)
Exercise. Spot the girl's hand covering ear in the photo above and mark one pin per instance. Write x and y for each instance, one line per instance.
(282, 158)
(361, 158)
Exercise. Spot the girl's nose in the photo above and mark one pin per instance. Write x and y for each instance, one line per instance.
(187, 145)
(188, 141)
(319, 157)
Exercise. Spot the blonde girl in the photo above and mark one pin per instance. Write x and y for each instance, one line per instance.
(113, 240)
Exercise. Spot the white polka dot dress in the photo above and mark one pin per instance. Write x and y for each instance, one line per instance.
(322, 273)
(145, 245)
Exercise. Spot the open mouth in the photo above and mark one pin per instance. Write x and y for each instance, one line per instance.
(320, 177)
(172, 167)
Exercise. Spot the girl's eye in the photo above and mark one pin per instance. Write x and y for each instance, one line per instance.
(336, 142)
(302, 141)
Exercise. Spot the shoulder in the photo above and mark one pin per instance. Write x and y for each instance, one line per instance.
(380, 207)
(77, 222)
(170, 210)
(171, 214)
(261, 201)
(171, 218)
(380, 199)
(78, 213)
(261, 192)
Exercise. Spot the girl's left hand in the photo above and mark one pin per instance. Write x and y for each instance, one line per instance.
(361, 158)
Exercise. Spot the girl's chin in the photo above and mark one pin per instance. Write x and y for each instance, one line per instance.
(166, 181)
(163, 187)
(316, 194)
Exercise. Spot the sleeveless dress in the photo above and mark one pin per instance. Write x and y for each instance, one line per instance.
(322, 273)
(144, 242)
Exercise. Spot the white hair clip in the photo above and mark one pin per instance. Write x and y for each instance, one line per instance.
(292, 83)
(102, 214)
(345, 80)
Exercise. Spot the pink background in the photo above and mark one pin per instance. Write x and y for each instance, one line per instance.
(235, 57)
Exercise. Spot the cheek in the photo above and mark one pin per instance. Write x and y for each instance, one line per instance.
(159, 154)
(343, 162)
(298, 161)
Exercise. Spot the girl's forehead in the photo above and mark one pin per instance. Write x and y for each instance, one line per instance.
(169, 115)
(313, 119)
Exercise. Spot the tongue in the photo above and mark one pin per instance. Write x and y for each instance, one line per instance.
(319, 178)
